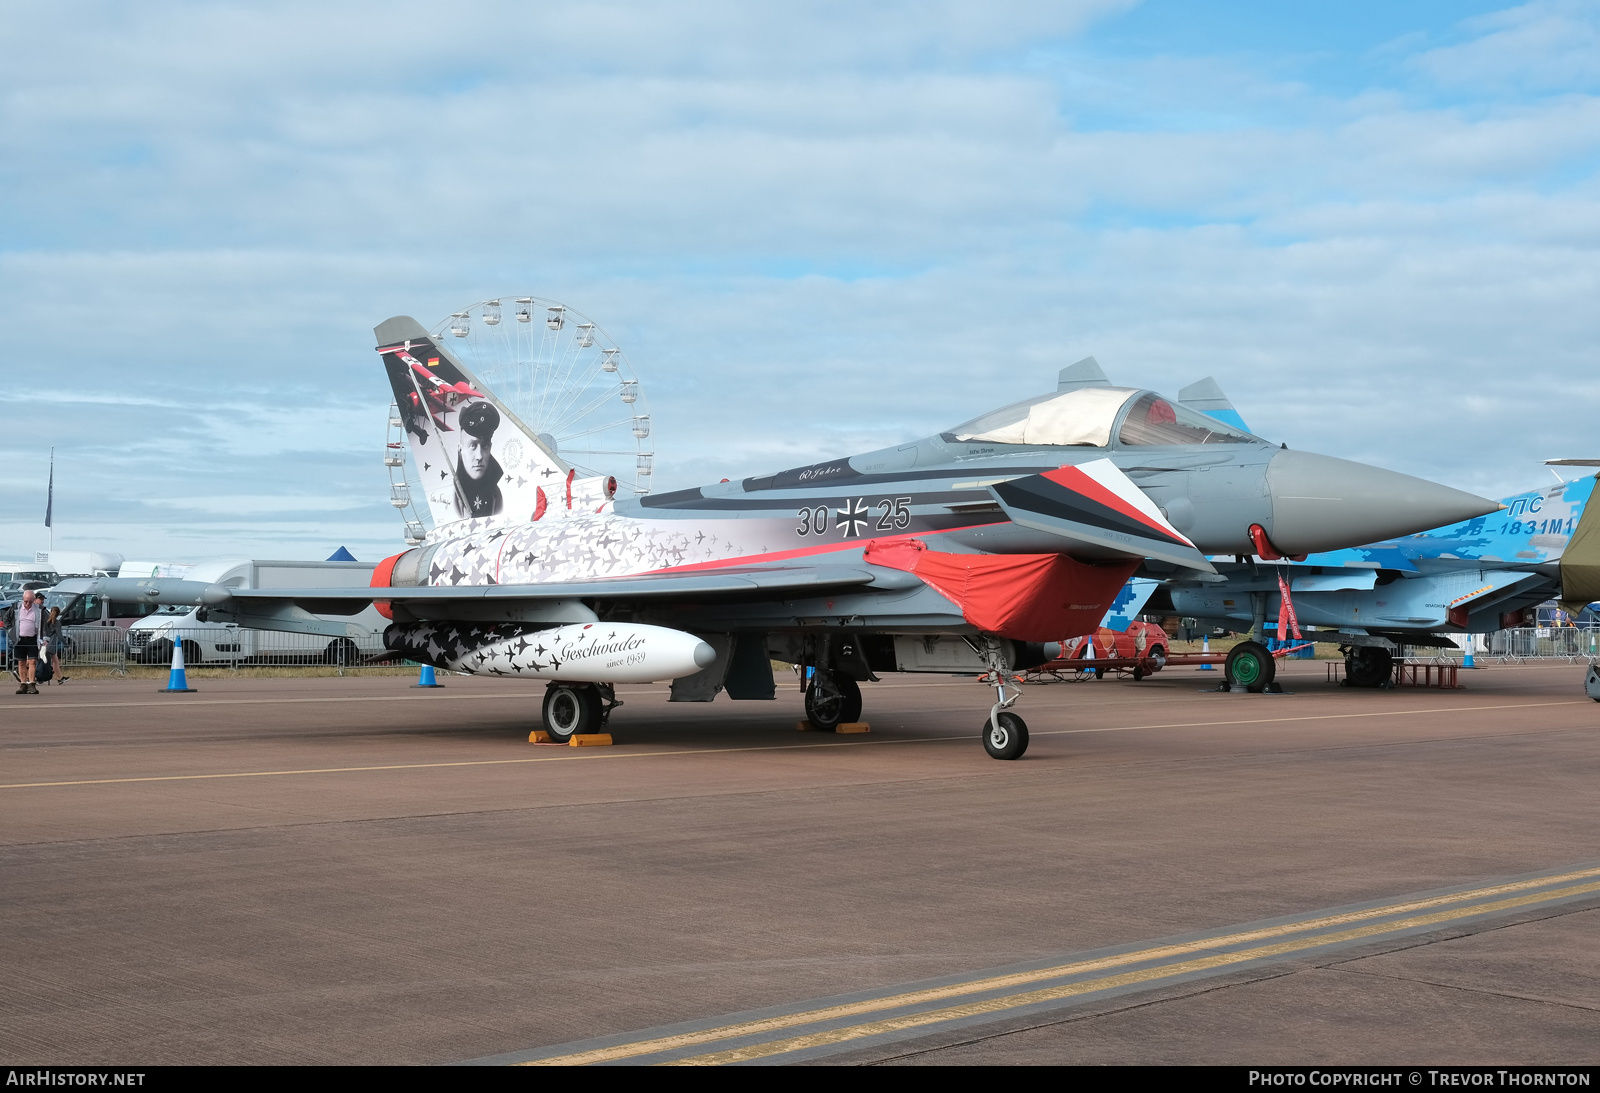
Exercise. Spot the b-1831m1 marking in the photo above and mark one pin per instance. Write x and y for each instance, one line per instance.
(969, 548)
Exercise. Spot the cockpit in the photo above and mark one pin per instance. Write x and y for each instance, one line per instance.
(1087, 417)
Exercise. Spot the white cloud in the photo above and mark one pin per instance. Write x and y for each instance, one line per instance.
(814, 231)
(1552, 45)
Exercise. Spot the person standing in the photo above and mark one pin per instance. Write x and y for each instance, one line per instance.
(28, 623)
(50, 646)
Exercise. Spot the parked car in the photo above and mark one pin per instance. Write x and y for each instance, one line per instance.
(12, 591)
(1145, 642)
(81, 607)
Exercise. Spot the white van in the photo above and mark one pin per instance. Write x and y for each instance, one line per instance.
(150, 640)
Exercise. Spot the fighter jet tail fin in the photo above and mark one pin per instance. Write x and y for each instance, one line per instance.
(1095, 505)
(1129, 603)
(1206, 396)
(474, 457)
(1085, 373)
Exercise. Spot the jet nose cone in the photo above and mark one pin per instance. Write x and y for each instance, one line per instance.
(704, 654)
(1323, 503)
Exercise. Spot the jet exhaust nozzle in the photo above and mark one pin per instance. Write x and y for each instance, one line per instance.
(1323, 503)
(596, 652)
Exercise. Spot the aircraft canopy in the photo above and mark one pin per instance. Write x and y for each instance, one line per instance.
(1085, 417)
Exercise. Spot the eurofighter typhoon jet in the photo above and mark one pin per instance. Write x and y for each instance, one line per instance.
(964, 551)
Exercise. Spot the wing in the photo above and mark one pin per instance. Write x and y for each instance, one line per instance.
(738, 583)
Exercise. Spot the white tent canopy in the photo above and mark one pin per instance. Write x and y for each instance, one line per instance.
(1081, 417)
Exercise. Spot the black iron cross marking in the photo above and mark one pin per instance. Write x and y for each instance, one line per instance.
(852, 518)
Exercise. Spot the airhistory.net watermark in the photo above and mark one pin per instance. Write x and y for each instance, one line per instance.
(61, 1076)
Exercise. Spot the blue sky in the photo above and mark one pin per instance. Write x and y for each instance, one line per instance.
(814, 230)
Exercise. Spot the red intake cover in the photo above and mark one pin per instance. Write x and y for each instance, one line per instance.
(382, 575)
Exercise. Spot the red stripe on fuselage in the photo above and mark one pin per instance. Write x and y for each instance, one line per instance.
(1075, 480)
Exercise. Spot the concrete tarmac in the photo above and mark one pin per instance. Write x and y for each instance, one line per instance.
(351, 871)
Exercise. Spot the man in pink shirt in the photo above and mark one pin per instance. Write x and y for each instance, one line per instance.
(27, 625)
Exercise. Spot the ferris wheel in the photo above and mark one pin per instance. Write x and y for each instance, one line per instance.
(557, 371)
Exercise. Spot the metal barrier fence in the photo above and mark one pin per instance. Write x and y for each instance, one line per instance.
(1569, 643)
(240, 647)
(210, 647)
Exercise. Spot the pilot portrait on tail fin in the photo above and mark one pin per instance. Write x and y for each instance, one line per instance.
(478, 473)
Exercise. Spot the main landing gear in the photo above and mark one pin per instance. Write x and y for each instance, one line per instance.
(832, 699)
(577, 709)
(1367, 666)
(1005, 735)
(1250, 665)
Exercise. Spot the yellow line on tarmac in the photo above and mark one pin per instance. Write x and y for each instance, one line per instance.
(1012, 1001)
(714, 751)
(1050, 994)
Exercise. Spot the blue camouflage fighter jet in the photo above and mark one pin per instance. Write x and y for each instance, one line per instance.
(1470, 577)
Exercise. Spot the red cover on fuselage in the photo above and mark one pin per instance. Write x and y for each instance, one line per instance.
(1027, 597)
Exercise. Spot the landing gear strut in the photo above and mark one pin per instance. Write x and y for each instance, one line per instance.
(1005, 735)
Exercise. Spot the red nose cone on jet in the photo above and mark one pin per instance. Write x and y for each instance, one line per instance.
(1322, 503)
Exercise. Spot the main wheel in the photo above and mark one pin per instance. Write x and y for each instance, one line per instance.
(571, 709)
(1368, 666)
(1008, 740)
(832, 700)
(1250, 665)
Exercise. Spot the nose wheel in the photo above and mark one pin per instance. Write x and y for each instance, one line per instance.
(1005, 736)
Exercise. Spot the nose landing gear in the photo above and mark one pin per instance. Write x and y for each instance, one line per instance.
(1005, 735)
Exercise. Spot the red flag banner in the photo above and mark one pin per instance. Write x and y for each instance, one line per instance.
(1286, 617)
